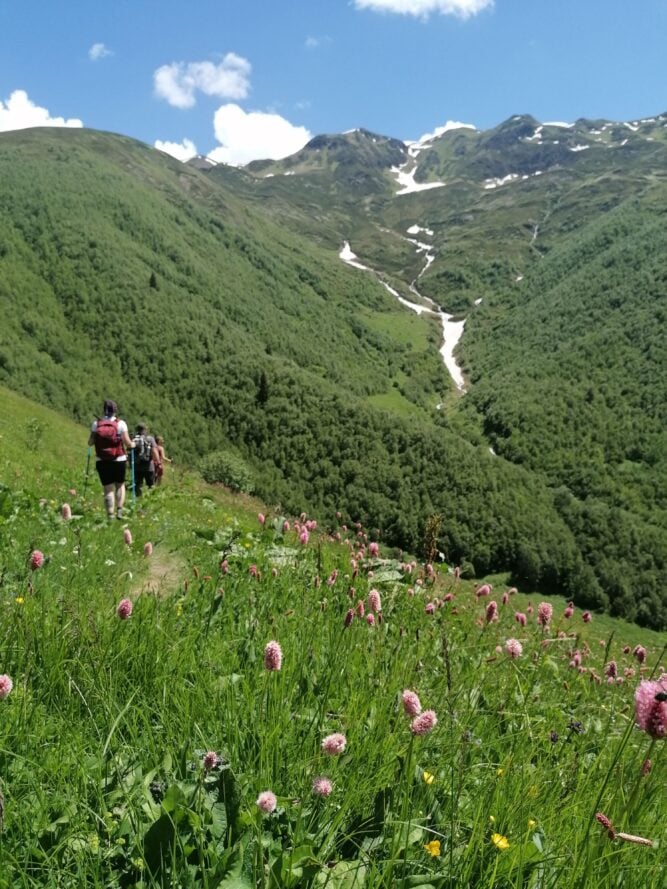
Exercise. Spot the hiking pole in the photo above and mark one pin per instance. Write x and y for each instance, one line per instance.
(85, 483)
(134, 497)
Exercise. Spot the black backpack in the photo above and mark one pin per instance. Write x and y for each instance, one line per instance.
(142, 449)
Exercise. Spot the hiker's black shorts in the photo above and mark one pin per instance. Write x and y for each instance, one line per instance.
(111, 472)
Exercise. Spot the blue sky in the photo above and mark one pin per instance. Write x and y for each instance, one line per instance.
(256, 78)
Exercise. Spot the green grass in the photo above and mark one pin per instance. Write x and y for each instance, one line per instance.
(103, 736)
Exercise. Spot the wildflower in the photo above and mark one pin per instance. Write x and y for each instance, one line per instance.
(261, 518)
(520, 618)
(304, 536)
(66, 512)
(544, 614)
(349, 617)
(639, 652)
(433, 848)
(285, 526)
(424, 723)
(611, 670)
(483, 590)
(500, 842)
(224, 566)
(370, 619)
(127, 537)
(586, 617)
(322, 786)
(148, 548)
(267, 802)
(606, 823)
(124, 609)
(428, 777)
(374, 601)
(36, 559)
(506, 598)
(492, 819)
(651, 708)
(531, 824)
(6, 685)
(211, 760)
(429, 608)
(334, 744)
(500, 773)
(360, 608)
(19, 600)
(273, 656)
(569, 611)
(411, 703)
(513, 648)
(492, 611)
(331, 579)
(373, 550)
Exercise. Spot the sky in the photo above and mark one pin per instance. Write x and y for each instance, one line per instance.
(238, 80)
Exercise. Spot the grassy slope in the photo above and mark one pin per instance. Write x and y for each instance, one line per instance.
(106, 717)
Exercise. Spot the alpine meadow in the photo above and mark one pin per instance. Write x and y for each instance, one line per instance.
(396, 615)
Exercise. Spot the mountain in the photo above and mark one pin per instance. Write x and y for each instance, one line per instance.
(212, 302)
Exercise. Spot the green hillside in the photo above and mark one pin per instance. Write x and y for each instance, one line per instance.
(197, 697)
(211, 315)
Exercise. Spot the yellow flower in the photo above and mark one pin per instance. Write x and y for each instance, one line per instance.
(492, 819)
(500, 772)
(19, 600)
(428, 778)
(500, 842)
(433, 848)
(531, 824)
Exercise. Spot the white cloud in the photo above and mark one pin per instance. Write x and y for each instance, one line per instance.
(462, 8)
(182, 151)
(312, 42)
(253, 135)
(98, 51)
(19, 113)
(178, 82)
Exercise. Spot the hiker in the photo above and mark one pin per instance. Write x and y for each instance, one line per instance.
(111, 440)
(159, 467)
(146, 458)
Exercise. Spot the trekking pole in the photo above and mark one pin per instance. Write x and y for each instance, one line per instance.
(85, 483)
(134, 496)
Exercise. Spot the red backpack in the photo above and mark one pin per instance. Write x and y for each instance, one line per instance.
(108, 442)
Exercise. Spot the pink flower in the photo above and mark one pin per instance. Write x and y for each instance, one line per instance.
(576, 659)
(448, 597)
(267, 802)
(6, 685)
(253, 570)
(544, 614)
(224, 566)
(374, 549)
(322, 786)
(483, 590)
(36, 559)
(492, 611)
(650, 709)
(429, 608)
(332, 578)
(370, 619)
(360, 608)
(411, 703)
(285, 526)
(611, 670)
(148, 548)
(273, 656)
(66, 512)
(127, 536)
(261, 518)
(374, 601)
(304, 536)
(569, 611)
(424, 723)
(334, 744)
(640, 653)
(520, 618)
(506, 598)
(349, 617)
(513, 648)
(124, 609)
(586, 617)
(211, 760)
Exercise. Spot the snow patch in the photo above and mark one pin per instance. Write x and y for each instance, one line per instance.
(407, 180)
(415, 229)
(558, 123)
(478, 301)
(579, 147)
(417, 145)
(350, 258)
(631, 126)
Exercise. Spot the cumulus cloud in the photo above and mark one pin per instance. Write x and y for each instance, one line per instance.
(182, 151)
(178, 82)
(463, 9)
(245, 136)
(98, 51)
(19, 113)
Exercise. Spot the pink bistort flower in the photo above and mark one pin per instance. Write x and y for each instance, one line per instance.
(370, 619)
(545, 612)
(513, 648)
(586, 617)
(127, 537)
(411, 703)
(6, 685)
(304, 536)
(492, 611)
(273, 656)
(66, 512)
(520, 618)
(429, 608)
(124, 609)
(374, 549)
(211, 760)
(374, 601)
(640, 653)
(148, 548)
(424, 723)
(651, 708)
(36, 559)
(334, 744)
(267, 802)
(322, 786)
(349, 617)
